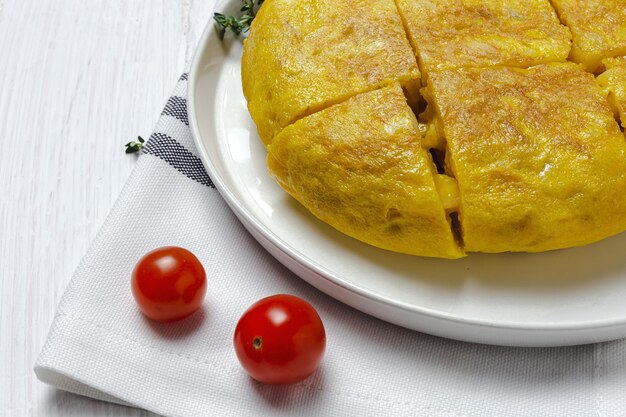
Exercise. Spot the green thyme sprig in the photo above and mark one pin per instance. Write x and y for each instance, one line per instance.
(135, 147)
(236, 24)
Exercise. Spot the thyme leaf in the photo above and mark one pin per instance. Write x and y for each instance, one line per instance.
(135, 147)
(240, 24)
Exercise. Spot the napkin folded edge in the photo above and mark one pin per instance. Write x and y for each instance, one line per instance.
(160, 145)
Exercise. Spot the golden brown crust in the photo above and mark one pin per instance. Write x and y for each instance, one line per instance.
(303, 56)
(598, 28)
(539, 160)
(449, 34)
(538, 156)
(360, 167)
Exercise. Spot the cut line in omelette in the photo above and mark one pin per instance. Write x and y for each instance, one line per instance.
(537, 154)
(360, 167)
(304, 55)
(518, 150)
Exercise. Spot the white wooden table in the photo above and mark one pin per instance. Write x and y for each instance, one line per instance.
(78, 79)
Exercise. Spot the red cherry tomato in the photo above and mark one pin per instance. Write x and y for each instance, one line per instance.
(169, 283)
(280, 339)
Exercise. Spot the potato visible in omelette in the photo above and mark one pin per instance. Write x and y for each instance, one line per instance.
(440, 127)
(538, 156)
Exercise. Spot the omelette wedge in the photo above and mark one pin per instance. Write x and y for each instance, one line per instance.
(360, 167)
(538, 156)
(450, 34)
(305, 55)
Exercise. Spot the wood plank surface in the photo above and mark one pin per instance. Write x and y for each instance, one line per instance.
(78, 79)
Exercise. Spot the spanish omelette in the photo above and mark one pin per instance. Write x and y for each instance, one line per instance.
(436, 128)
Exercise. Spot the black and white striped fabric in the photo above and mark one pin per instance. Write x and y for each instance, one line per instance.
(101, 346)
(163, 146)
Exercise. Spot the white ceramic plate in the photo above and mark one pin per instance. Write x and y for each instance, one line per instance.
(563, 297)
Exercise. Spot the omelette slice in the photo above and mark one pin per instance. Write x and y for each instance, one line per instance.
(598, 28)
(305, 55)
(449, 34)
(614, 82)
(538, 156)
(360, 167)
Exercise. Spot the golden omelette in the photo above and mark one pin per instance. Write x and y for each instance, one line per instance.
(436, 128)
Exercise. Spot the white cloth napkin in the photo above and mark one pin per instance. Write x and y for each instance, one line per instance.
(101, 346)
